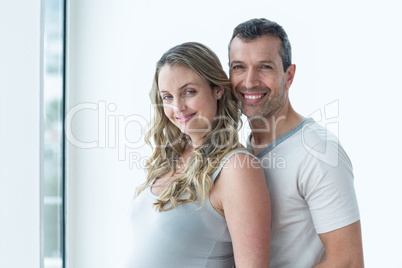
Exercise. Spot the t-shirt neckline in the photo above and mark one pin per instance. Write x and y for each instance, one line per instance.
(281, 139)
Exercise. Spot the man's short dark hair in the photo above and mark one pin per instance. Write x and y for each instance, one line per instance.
(254, 28)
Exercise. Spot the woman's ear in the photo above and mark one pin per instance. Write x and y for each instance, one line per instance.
(219, 90)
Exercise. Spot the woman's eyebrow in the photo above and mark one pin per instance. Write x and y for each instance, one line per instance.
(185, 85)
(181, 88)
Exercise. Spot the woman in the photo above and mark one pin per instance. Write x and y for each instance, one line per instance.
(205, 202)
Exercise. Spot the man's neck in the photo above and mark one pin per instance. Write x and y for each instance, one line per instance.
(267, 130)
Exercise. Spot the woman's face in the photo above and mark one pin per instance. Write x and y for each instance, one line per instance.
(188, 100)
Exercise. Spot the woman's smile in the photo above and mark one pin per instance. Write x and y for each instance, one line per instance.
(185, 117)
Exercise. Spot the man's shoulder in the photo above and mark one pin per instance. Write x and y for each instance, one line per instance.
(323, 146)
(314, 134)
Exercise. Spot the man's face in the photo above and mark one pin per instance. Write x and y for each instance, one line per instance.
(257, 76)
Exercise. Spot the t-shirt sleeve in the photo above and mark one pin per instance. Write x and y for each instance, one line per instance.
(326, 183)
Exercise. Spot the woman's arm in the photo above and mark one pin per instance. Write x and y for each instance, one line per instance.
(241, 195)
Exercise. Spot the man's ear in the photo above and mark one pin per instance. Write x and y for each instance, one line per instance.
(290, 75)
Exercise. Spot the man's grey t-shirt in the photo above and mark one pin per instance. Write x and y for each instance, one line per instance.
(310, 181)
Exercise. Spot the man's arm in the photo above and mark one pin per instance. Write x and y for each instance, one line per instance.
(343, 247)
(328, 187)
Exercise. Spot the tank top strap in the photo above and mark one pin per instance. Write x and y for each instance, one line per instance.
(227, 157)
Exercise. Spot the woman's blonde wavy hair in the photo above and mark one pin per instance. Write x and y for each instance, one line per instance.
(194, 184)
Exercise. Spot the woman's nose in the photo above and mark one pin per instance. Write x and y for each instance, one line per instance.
(180, 104)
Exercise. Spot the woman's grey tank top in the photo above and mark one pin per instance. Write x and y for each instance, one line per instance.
(186, 236)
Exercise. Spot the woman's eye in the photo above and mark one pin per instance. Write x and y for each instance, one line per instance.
(166, 97)
(189, 92)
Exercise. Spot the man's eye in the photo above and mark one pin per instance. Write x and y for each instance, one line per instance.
(237, 67)
(266, 67)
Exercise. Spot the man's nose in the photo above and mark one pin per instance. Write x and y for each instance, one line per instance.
(251, 79)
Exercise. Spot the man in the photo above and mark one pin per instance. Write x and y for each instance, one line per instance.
(315, 216)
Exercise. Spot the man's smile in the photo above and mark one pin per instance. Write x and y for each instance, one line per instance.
(252, 98)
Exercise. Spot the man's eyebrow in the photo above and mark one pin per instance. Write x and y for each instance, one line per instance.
(261, 61)
(267, 61)
(235, 62)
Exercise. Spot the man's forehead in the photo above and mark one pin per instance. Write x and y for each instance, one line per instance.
(265, 40)
(265, 45)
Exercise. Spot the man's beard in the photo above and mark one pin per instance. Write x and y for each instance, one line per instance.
(267, 108)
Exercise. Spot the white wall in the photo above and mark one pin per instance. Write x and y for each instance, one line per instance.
(345, 51)
(20, 134)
